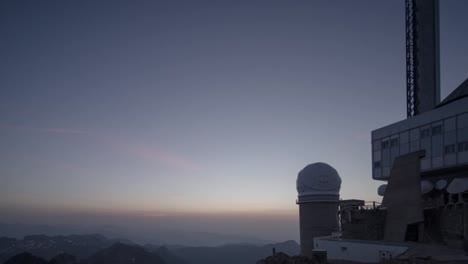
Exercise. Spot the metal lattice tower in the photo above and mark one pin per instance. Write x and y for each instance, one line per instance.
(410, 60)
(422, 56)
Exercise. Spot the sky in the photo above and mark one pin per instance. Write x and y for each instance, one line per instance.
(198, 115)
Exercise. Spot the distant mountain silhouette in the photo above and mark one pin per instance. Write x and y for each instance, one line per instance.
(96, 249)
(151, 235)
(46, 247)
(169, 257)
(6, 242)
(232, 254)
(120, 253)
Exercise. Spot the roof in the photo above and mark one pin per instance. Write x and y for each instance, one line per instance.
(460, 92)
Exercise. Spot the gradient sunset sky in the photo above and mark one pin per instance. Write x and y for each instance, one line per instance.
(176, 109)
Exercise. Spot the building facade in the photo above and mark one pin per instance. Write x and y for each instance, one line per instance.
(442, 133)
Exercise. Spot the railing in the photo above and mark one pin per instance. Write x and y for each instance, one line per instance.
(371, 205)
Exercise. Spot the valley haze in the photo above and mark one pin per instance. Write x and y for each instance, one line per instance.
(207, 229)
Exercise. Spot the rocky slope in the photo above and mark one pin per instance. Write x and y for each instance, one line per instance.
(281, 258)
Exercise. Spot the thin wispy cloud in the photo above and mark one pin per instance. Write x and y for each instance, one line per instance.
(141, 150)
(60, 130)
(154, 153)
(52, 130)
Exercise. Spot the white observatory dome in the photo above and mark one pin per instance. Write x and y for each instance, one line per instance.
(318, 179)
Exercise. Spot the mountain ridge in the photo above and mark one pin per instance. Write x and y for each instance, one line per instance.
(84, 247)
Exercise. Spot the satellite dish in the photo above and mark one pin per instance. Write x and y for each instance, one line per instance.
(458, 185)
(441, 184)
(426, 186)
(381, 189)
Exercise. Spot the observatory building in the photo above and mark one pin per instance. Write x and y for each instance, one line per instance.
(318, 187)
(422, 162)
(426, 154)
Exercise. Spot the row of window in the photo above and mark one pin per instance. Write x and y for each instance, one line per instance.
(441, 140)
(437, 130)
(390, 143)
(462, 147)
(449, 149)
(424, 133)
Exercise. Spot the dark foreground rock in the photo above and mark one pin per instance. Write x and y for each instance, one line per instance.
(281, 258)
(25, 258)
(63, 259)
(120, 253)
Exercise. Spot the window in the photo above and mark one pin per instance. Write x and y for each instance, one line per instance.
(377, 165)
(404, 137)
(463, 146)
(462, 120)
(437, 130)
(414, 134)
(462, 134)
(385, 144)
(376, 145)
(449, 149)
(394, 142)
(450, 124)
(425, 133)
(404, 148)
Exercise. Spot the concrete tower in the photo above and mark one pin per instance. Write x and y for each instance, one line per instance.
(318, 187)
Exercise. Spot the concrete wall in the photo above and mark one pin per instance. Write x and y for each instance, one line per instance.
(316, 219)
(357, 250)
(363, 224)
(403, 198)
